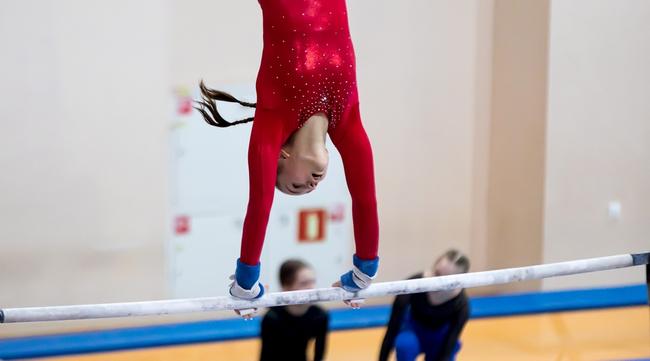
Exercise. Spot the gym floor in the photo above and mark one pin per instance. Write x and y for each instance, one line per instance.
(605, 334)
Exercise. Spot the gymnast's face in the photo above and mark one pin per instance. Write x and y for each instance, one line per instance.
(298, 174)
(446, 267)
(305, 279)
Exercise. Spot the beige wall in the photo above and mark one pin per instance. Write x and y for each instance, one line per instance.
(219, 41)
(83, 157)
(598, 135)
(516, 153)
(423, 118)
(479, 246)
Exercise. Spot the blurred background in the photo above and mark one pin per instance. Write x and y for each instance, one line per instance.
(515, 131)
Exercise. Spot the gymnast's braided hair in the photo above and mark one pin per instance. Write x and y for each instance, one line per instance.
(207, 106)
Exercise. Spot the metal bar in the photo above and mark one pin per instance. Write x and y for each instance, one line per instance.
(466, 280)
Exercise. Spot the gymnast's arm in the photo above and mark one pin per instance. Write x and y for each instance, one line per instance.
(396, 316)
(353, 144)
(266, 141)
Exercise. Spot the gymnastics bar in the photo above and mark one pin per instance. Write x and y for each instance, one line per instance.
(466, 280)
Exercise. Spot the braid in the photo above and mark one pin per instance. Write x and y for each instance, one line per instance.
(207, 106)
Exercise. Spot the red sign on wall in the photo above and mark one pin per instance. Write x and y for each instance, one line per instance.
(182, 225)
(184, 101)
(311, 225)
(184, 106)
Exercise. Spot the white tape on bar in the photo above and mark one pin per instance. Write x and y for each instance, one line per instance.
(467, 280)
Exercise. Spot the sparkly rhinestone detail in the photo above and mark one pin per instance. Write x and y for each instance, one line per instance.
(308, 62)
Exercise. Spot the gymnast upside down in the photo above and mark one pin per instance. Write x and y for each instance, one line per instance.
(306, 89)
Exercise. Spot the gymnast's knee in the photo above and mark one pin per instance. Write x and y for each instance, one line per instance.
(407, 346)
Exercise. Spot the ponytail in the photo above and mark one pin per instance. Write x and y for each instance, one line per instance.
(207, 106)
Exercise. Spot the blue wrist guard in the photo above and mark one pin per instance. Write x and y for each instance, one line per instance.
(246, 284)
(361, 275)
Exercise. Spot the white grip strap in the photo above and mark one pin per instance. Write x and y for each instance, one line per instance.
(361, 279)
(239, 292)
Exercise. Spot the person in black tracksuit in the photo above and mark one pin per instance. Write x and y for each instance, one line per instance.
(429, 323)
(287, 330)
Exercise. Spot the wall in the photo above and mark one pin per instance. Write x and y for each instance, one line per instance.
(83, 123)
(424, 133)
(598, 142)
(517, 139)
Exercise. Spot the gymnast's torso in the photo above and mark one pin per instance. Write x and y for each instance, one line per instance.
(308, 62)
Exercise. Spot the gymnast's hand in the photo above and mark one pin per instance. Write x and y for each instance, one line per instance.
(246, 282)
(361, 275)
(245, 285)
(356, 303)
(247, 313)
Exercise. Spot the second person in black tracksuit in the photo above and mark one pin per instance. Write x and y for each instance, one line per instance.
(288, 330)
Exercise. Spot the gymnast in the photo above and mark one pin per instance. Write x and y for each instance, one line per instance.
(431, 322)
(287, 330)
(306, 89)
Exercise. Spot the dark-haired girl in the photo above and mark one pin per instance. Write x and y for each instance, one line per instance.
(431, 322)
(306, 90)
(288, 330)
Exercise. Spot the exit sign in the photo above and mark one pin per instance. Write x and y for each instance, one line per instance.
(311, 225)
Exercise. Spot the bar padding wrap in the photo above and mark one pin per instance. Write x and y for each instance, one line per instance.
(641, 258)
(647, 281)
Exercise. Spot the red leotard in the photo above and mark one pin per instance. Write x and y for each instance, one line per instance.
(308, 67)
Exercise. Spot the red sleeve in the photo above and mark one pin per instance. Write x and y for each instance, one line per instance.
(266, 140)
(353, 144)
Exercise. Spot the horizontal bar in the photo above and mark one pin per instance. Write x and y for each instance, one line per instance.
(466, 280)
